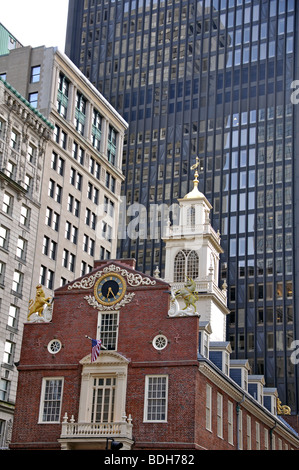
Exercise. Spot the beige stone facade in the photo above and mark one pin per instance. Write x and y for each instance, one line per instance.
(23, 139)
(75, 181)
(82, 174)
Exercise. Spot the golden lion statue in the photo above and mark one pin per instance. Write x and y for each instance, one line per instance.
(37, 306)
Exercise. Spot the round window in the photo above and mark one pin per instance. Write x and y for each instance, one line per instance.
(160, 342)
(54, 346)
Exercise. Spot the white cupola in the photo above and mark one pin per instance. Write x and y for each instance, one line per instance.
(193, 252)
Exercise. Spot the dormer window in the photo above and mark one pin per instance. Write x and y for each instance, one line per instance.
(186, 265)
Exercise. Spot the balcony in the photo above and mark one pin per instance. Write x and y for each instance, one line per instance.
(88, 436)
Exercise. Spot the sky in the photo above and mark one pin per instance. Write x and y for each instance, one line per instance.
(36, 22)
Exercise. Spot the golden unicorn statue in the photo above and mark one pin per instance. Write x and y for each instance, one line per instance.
(37, 306)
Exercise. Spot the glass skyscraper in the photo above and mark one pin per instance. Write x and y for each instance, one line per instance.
(214, 79)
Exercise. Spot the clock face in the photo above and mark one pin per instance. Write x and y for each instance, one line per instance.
(110, 289)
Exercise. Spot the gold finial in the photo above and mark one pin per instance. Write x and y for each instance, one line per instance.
(195, 193)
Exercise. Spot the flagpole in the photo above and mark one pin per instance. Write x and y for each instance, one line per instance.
(102, 346)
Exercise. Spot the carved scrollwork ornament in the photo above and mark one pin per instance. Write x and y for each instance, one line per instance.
(134, 280)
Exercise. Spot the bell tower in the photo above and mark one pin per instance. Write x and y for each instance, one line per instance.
(192, 263)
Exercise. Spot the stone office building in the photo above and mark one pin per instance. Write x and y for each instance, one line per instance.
(24, 136)
(60, 195)
(82, 173)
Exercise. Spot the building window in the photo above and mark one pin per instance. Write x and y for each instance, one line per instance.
(2, 273)
(50, 407)
(17, 282)
(14, 138)
(62, 95)
(160, 342)
(156, 395)
(191, 217)
(76, 179)
(4, 237)
(186, 265)
(21, 248)
(96, 132)
(4, 385)
(266, 438)
(25, 216)
(248, 432)
(95, 168)
(90, 219)
(31, 153)
(13, 316)
(209, 408)
(42, 275)
(78, 153)
(230, 422)
(111, 150)
(28, 183)
(54, 346)
(110, 182)
(108, 329)
(10, 169)
(35, 74)
(80, 113)
(57, 163)
(240, 430)
(103, 399)
(33, 98)
(219, 415)
(8, 352)
(7, 204)
(257, 436)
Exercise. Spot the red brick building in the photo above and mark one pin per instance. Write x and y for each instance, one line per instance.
(163, 380)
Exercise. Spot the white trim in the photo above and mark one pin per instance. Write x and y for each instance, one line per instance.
(163, 339)
(58, 344)
(108, 364)
(147, 377)
(99, 334)
(42, 399)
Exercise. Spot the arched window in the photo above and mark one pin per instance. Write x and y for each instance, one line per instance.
(192, 265)
(185, 265)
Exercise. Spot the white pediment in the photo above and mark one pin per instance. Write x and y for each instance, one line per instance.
(111, 358)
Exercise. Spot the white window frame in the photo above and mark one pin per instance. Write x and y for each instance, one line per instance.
(220, 415)
(17, 282)
(266, 438)
(146, 399)
(104, 333)
(248, 432)
(240, 430)
(4, 237)
(7, 205)
(257, 436)
(209, 407)
(230, 422)
(42, 399)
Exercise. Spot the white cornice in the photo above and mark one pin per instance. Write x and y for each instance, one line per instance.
(250, 404)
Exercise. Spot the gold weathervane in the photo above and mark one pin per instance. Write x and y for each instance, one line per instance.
(196, 174)
(195, 166)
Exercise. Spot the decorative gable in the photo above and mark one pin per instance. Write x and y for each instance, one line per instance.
(109, 283)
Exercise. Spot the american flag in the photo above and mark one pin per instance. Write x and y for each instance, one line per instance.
(96, 349)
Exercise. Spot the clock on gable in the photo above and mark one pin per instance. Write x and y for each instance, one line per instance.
(110, 289)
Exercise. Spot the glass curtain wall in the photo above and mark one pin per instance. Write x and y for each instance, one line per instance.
(211, 79)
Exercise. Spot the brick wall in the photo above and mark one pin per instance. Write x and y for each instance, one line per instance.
(140, 321)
